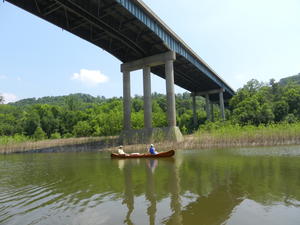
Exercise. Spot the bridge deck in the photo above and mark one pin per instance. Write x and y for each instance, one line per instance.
(129, 30)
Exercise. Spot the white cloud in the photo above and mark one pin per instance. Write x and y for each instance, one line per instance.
(90, 77)
(18, 78)
(9, 97)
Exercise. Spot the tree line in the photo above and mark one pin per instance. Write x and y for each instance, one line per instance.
(78, 115)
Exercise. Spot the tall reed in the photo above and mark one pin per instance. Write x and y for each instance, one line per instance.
(210, 135)
(226, 134)
(11, 145)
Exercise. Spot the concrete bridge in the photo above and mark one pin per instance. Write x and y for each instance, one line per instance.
(131, 32)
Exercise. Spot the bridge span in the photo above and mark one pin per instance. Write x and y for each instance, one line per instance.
(130, 31)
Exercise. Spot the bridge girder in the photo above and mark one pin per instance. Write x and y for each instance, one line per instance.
(129, 30)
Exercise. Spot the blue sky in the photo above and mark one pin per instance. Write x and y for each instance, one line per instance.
(240, 40)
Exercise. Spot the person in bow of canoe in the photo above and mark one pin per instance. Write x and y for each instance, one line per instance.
(152, 150)
(121, 151)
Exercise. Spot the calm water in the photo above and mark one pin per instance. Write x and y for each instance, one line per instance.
(242, 186)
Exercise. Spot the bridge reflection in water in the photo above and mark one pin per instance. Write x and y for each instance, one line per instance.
(183, 207)
(194, 187)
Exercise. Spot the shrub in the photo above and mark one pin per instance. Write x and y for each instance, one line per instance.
(55, 135)
(39, 134)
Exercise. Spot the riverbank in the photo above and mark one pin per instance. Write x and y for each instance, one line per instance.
(60, 145)
(213, 135)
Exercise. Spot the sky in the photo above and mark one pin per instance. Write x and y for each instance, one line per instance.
(239, 39)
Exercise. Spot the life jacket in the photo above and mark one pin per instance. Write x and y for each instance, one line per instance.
(152, 150)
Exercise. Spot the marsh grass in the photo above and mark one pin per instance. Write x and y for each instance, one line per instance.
(225, 134)
(211, 135)
(16, 145)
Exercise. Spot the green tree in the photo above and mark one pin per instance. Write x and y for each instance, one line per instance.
(137, 104)
(281, 109)
(31, 122)
(246, 112)
(72, 102)
(47, 120)
(266, 114)
(82, 129)
(291, 95)
(39, 134)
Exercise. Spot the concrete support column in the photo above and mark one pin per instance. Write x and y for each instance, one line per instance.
(222, 105)
(147, 98)
(126, 100)
(169, 70)
(207, 106)
(194, 111)
(212, 112)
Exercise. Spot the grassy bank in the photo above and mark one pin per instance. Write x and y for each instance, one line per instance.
(23, 144)
(226, 134)
(211, 135)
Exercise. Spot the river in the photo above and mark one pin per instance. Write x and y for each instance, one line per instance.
(225, 186)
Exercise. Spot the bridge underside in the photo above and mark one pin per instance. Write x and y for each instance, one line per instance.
(110, 26)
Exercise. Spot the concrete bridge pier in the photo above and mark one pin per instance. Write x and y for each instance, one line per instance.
(212, 112)
(207, 107)
(170, 93)
(147, 98)
(222, 108)
(150, 134)
(209, 104)
(126, 101)
(194, 111)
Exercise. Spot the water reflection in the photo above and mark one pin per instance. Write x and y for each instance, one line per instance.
(150, 189)
(195, 187)
(128, 192)
(152, 164)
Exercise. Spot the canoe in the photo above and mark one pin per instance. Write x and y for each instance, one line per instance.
(147, 155)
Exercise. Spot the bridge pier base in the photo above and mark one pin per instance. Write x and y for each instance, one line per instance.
(153, 135)
(149, 134)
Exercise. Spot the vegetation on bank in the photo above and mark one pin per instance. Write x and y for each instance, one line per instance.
(12, 145)
(229, 134)
(258, 112)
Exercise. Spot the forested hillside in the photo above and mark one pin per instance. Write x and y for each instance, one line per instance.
(60, 100)
(83, 115)
(263, 103)
(292, 79)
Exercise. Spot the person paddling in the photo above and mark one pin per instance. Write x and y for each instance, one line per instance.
(152, 150)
